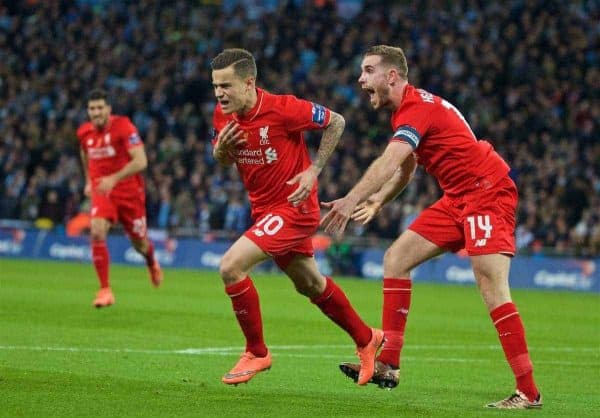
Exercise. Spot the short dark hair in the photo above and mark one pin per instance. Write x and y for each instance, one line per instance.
(98, 94)
(243, 62)
(391, 55)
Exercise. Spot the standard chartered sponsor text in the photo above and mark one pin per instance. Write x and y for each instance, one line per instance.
(245, 156)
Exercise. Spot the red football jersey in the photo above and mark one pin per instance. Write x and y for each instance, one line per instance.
(107, 151)
(445, 144)
(275, 151)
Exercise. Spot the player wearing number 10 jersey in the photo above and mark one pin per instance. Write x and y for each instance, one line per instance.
(476, 212)
(262, 134)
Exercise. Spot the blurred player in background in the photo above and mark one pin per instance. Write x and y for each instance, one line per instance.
(262, 134)
(113, 157)
(476, 212)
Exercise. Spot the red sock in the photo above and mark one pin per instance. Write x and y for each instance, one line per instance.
(246, 307)
(396, 303)
(149, 256)
(101, 260)
(512, 337)
(334, 303)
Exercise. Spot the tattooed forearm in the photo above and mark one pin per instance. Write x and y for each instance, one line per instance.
(330, 139)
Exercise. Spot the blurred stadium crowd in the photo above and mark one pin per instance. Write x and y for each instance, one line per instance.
(524, 73)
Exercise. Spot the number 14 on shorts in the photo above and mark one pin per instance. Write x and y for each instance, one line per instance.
(480, 223)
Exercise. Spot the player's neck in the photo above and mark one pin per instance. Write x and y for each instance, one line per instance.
(397, 95)
(103, 127)
(250, 103)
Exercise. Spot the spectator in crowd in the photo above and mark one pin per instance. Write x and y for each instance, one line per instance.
(523, 73)
(51, 208)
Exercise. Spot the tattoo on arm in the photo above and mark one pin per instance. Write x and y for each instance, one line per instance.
(330, 139)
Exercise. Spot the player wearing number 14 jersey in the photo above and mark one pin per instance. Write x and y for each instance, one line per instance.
(262, 134)
(476, 212)
(113, 156)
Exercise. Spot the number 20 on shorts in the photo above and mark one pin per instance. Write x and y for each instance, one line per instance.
(270, 225)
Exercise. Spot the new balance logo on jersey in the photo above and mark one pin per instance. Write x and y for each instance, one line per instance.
(271, 155)
(264, 135)
(481, 242)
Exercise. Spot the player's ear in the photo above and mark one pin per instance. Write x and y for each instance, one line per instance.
(392, 74)
(250, 83)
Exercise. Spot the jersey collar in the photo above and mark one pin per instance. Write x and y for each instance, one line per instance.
(107, 126)
(405, 92)
(252, 113)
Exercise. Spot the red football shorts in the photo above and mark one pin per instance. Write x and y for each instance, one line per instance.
(283, 233)
(130, 211)
(481, 222)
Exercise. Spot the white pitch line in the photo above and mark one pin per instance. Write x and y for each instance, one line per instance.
(234, 351)
(206, 350)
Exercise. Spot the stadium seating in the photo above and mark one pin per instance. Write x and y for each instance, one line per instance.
(523, 73)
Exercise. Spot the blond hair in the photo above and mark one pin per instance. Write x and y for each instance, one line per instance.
(391, 55)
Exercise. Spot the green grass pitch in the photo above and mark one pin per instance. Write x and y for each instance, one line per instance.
(162, 352)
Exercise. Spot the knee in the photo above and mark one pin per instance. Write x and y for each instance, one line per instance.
(141, 246)
(492, 297)
(98, 235)
(230, 271)
(311, 288)
(494, 290)
(393, 264)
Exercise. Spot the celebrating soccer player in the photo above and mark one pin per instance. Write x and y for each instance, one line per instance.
(476, 212)
(262, 133)
(113, 157)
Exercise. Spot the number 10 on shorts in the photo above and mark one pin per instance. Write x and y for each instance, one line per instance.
(269, 225)
(481, 222)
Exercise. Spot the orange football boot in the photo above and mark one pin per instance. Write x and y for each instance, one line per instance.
(246, 368)
(104, 298)
(367, 354)
(156, 275)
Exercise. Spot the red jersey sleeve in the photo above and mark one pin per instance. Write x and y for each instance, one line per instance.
(302, 115)
(411, 123)
(82, 133)
(130, 134)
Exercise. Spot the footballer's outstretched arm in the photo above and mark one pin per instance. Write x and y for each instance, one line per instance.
(400, 179)
(367, 210)
(379, 172)
(306, 179)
